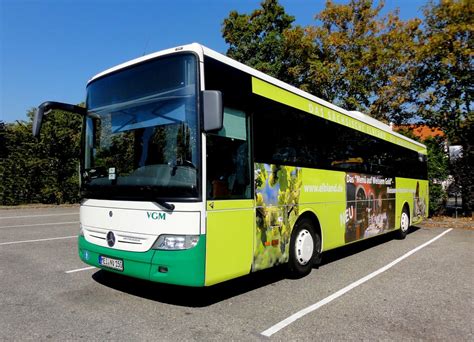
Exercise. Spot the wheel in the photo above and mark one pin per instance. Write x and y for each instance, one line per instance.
(304, 249)
(404, 224)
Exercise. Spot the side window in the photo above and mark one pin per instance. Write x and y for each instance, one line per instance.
(228, 159)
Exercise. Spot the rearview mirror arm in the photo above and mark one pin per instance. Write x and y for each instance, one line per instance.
(47, 107)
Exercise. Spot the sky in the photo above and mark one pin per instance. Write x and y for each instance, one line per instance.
(49, 49)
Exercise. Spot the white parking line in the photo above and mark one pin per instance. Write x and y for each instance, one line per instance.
(284, 323)
(40, 224)
(12, 217)
(81, 269)
(39, 240)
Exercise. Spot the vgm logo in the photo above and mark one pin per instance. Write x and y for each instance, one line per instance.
(156, 215)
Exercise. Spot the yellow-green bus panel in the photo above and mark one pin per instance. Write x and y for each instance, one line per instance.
(414, 193)
(324, 193)
(349, 207)
(283, 193)
(244, 235)
(229, 237)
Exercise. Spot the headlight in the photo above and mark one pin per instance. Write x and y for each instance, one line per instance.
(176, 242)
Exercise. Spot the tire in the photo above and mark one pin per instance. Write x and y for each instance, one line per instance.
(404, 224)
(304, 249)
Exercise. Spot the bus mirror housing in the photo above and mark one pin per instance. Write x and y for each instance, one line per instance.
(213, 111)
(38, 120)
(46, 107)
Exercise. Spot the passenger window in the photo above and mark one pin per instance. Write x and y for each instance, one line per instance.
(228, 159)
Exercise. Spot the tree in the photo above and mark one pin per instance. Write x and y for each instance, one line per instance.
(58, 153)
(354, 58)
(257, 39)
(41, 170)
(15, 164)
(363, 61)
(462, 168)
(444, 82)
(438, 171)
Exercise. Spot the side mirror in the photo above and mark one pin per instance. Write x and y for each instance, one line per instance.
(47, 107)
(213, 110)
(38, 120)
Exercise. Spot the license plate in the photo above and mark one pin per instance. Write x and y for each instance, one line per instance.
(115, 264)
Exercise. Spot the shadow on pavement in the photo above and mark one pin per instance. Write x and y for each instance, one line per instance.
(202, 297)
(359, 246)
(189, 296)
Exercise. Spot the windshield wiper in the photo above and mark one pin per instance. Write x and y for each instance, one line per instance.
(166, 205)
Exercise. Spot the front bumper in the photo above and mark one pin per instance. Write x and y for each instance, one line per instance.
(186, 267)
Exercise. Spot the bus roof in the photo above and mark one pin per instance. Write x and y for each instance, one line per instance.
(202, 51)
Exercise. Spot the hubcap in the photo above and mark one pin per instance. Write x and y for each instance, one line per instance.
(304, 247)
(404, 222)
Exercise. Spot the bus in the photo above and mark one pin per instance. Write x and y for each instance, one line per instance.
(197, 169)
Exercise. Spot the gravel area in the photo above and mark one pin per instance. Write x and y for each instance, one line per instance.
(448, 222)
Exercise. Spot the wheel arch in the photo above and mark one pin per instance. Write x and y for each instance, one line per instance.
(311, 215)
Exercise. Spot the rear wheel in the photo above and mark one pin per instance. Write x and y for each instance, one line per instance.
(304, 249)
(404, 224)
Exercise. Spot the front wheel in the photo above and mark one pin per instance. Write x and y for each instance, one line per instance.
(404, 224)
(304, 249)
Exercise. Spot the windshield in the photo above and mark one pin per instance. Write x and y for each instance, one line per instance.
(141, 132)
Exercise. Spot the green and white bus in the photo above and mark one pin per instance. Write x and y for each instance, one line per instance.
(197, 169)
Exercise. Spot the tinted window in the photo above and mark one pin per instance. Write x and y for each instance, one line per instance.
(229, 166)
(284, 135)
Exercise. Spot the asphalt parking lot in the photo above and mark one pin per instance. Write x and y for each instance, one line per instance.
(417, 288)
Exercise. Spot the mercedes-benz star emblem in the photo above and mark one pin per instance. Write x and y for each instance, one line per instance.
(110, 239)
